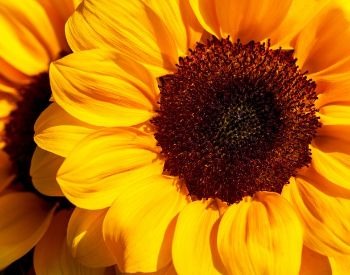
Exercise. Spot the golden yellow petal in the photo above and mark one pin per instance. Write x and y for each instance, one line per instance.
(324, 41)
(104, 163)
(131, 27)
(313, 263)
(325, 216)
(250, 19)
(206, 15)
(24, 219)
(139, 226)
(340, 265)
(103, 88)
(261, 235)
(335, 114)
(58, 132)
(28, 39)
(331, 159)
(194, 248)
(84, 237)
(52, 255)
(43, 171)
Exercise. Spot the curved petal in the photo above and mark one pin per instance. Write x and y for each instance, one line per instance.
(340, 265)
(103, 88)
(84, 237)
(313, 263)
(139, 226)
(331, 159)
(335, 114)
(58, 132)
(194, 246)
(131, 27)
(52, 255)
(43, 171)
(250, 19)
(28, 39)
(325, 217)
(99, 167)
(261, 235)
(24, 219)
(324, 41)
(6, 176)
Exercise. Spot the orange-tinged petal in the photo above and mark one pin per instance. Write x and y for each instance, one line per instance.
(139, 226)
(325, 216)
(331, 159)
(340, 265)
(103, 88)
(52, 255)
(335, 114)
(206, 15)
(131, 27)
(24, 219)
(324, 41)
(58, 132)
(261, 235)
(111, 158)
(84, 236)
(28, 39)
(313, 263)
(43, 171)
(194, 246)
(250, 19)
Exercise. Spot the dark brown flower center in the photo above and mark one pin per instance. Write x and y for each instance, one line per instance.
(235, 119)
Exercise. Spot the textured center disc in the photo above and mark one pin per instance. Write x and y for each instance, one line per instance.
(235, 119)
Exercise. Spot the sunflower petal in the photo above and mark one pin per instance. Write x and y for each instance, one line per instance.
(6, 176)
(139, 226)
(84, 237)
(24, 219)
(58, 132)
(262, 235)
(326, 217)
(112, 158)
(313, 263)
(52, 255)
(103, 88)
(27, 21)
(194, 246)
(250, 19)
(340, 264)
(43, 171)
(335, 114)
(131, 27)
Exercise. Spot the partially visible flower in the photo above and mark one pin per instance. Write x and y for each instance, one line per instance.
(32, 35)
(206, 165)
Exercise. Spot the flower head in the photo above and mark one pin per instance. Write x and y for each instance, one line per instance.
(213, 133)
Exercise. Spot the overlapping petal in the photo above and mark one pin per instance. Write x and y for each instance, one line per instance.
(139, 226)
(261, 235)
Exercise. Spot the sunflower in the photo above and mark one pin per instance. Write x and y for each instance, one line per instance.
(32, 36)
(214, 134)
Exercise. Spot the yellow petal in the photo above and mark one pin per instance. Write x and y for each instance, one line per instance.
(52, 255)
(332, 89)
(6, 176)
(313, 263)
(43, 171)
(131, 27)
(325, 217)
(103, 88)
(24, 219)
(58, 132)
(99, 167)
(206, 15)
(250, 19)
(324, 41)
(299, 14)
(261, 235)
(28, 39)
(331, 159)
(84, 236)
(194, 246)
(340, 265)
(139, 226)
